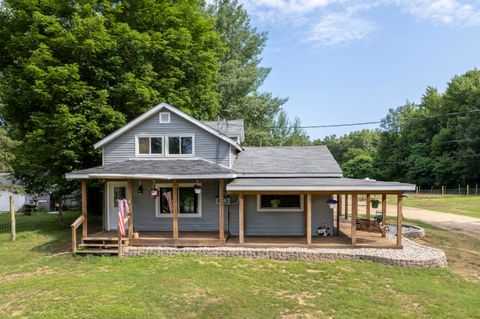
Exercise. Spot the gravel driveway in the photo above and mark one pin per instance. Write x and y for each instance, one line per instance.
(464, 224)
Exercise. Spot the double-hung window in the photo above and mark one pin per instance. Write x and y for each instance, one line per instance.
(149, 145)
(180, 145)
(189, 203)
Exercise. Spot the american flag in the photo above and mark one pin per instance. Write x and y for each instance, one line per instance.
(121, 217)
(168, 197)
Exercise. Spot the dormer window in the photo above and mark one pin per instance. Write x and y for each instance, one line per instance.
(164, 117)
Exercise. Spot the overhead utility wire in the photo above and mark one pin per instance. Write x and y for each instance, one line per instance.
(371, 122)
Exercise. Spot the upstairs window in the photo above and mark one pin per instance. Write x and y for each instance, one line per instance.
(149, 145)
(180, 145)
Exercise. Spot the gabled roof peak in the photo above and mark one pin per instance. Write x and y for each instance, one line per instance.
(155, 110)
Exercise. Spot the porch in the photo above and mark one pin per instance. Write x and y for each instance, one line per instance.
(211, 239)
(346, 230)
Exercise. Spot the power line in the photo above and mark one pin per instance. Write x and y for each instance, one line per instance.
(365, 123)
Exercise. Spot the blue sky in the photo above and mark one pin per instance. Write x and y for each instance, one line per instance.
(344, 61)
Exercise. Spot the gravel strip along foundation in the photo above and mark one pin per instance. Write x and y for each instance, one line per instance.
(412, 255)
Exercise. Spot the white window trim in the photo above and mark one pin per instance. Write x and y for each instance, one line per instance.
(167, 154)
(137, 148)
(160, 117)
(280, 209)
(180, 185)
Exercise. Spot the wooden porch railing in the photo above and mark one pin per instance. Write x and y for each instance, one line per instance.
(120, 237)
(80, 220)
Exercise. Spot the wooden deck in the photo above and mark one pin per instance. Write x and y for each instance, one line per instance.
(211, 239)
(190, 239)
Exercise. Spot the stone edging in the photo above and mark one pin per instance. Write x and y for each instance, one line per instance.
(409, 231)
(412, 255)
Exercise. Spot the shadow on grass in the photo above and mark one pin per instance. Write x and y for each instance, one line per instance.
(45, 229)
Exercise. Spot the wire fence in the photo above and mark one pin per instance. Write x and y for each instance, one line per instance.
(460, 190)
(27, 223)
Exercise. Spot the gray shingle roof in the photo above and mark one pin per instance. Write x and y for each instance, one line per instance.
(160, 168)
(283, 160)
(319, 184)
(230, 128)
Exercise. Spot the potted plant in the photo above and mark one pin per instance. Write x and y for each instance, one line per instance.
(375, 203)
(332, 203)
(275, 203)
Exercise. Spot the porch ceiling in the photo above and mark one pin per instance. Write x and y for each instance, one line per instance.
(315, 185)
(158, 169)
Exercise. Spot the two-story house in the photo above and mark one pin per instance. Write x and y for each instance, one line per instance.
(192, 183)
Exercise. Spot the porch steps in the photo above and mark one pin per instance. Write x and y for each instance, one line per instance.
(98, 251)
(100, 245)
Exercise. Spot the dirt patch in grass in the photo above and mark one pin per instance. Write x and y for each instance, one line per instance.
(461, 205)
(42, 271)
(463, 252)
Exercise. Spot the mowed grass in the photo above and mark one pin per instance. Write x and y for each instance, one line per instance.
(40, 279)
(462, 205)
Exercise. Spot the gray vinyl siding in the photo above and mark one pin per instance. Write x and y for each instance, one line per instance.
(144, 218)
(280, 223)
(256, 223)
(321, 214)
(207, 145)
(233, 154)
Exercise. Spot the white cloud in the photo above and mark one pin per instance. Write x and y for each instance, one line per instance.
(443, 12)
(340, 28)
(288, 6)
(334, 22)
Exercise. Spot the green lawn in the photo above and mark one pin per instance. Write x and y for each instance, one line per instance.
(462, 205)
(38, 279)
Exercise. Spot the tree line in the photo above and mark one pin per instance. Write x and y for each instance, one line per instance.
(71, 72)
(431, 143)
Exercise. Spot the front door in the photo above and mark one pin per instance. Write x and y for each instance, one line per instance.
(115, 191)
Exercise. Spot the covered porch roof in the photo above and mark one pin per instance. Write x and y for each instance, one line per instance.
(315, 184)
(156, 169)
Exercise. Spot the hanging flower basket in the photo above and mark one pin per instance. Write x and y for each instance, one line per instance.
(375, 203)
(332, 203)
(154, 192)
(197, 189)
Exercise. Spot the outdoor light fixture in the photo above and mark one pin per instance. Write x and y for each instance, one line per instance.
(140, 188)
(332, 203)
(197, 188)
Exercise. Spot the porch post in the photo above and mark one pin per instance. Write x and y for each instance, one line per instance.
(309, 219)
(241, 219)
(346, 206)
(221, 208)
(384, 213)
(399, 219)
(354, 218)
(175, 209)
(368, 207)
(339, 211)
(130, 205)
(84, 208)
